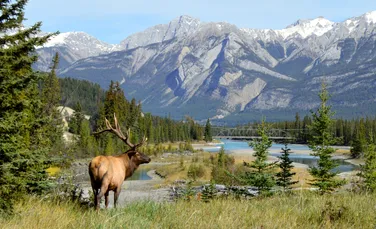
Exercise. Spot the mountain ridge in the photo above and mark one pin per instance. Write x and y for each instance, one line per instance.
(219, 70)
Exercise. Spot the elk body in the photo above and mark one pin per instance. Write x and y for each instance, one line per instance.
(107, 173)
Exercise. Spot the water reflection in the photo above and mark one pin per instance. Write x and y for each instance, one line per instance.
(140, 174)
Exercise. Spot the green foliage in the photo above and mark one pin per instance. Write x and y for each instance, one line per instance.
(76, 120)
(354, 132)
(24, 143)
(208, 192)
(320, 143)
(368, 170)
(359, 141)
(261, 174)
(188, 193)
(86, 142)
(156, 129)
(195, 171)
(222, 164)
(88, 94)
(109, 150)
(221, 157)
(208, 132)
(53, 127)
(284, 177)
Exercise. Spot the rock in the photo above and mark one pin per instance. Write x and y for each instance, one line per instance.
(180, 182)
(220, 187)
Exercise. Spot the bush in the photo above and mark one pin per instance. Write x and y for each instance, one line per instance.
(196, 171)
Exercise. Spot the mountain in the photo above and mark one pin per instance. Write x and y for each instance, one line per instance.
(218, 70)
(71, 46)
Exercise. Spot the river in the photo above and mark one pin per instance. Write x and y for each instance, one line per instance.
(302, 157)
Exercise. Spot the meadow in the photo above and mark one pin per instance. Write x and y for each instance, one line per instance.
(301, 210)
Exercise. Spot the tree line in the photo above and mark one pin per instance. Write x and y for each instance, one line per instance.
(355, 132)
(130, 116)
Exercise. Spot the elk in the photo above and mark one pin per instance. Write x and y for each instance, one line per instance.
(107, 173)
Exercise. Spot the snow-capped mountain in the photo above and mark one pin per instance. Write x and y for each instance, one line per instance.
(177, 28)
(218, 70)
(71, 46)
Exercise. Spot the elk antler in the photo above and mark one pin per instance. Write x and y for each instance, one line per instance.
(144, 139)
(117, 131)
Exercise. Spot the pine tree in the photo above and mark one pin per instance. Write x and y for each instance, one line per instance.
(261, 174)
(368, 170)
(359, 141)
(23, 150)
(284, 177)
(208, 192)
(51, 100)
(85, 142)
(221, 157)
(320, 143)
(76, 120)
(208, 132)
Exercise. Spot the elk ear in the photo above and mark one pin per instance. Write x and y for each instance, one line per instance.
(131, 153)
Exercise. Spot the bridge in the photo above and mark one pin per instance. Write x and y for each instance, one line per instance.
(250, 137)
(250, 133)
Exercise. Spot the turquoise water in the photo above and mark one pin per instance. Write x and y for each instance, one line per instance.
(298, 158)
(140, 174)
(235, 145)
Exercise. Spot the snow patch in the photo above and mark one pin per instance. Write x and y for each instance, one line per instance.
(370, 17)
(305, 28)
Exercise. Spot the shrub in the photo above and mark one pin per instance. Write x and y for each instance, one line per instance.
(196, 171)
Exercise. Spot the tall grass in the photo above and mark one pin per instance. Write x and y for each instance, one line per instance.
(304, 210)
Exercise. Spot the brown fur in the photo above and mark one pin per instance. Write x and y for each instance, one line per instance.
(107, 173)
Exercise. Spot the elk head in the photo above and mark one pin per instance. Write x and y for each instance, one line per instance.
(133, 154)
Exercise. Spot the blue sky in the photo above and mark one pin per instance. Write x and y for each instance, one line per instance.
(113, 20)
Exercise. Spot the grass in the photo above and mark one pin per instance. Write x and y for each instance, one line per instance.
(303, 210)
(175, 171)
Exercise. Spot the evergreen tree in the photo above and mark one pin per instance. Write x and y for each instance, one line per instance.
(85, 142)
(208, 132)
(51, 99)
(76, 120)
(284, 177)
(221, 166)
(208, 192)
(261, 174)
(368, 170)
(359, 141)
(109, 150)
(320, 143)
(23, 149)
(221, 157)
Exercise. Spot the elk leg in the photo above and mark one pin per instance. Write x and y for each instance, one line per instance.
(116, 195)
(101, 193)
(106, 198)
(95, 193)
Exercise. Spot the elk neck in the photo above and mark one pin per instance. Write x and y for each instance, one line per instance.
(130, 164)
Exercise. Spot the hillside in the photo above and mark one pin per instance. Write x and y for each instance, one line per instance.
(220, 71)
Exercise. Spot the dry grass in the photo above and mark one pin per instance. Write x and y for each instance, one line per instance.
(342, 152)
(304, 210)
(175, 171)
